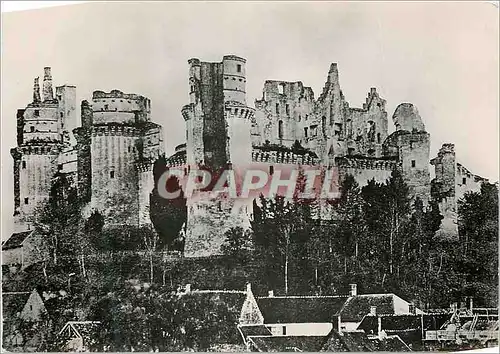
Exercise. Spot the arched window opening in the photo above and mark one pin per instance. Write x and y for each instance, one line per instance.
(280, 129)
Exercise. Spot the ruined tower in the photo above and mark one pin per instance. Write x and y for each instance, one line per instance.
(218, 124)
(411, 144)
(122, 137)
(42, 126)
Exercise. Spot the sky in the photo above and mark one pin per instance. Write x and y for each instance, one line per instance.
(442, 57)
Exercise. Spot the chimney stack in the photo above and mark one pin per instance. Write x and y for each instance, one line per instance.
(47, 92)
(411, 308)
(353, 289)
(271, 293)
(188, 288)
(373, 310)
(249, 288)
(471, 303)
(36, 90)
(379, 328)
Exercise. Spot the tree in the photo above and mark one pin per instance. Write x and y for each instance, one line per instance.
(150, 239)
(59, 219)
(238, 243)
(478, 231)
(167, 215)
(278, 225)
(350, 218)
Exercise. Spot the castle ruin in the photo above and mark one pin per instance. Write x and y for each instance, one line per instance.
(108, 152)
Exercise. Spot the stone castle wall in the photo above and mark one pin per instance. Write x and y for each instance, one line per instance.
(145, 187)
(36, 169)
(114, 175)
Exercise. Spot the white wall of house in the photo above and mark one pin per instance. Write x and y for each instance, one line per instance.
(12, 256)
(349, 326)
(300, 329)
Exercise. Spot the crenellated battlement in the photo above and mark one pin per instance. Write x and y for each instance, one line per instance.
(176, 160)
(188, 111)
(283, 157)
(366, 164)
(237, 110)
(123, 130)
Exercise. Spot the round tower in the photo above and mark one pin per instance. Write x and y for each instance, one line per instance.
(117, 143)
(234, 79)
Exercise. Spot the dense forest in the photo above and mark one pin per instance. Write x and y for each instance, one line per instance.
(376, 236)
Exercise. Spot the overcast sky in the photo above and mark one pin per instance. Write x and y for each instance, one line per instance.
(442, 57)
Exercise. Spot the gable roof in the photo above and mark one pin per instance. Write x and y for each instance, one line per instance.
(13, 303)
(287, 343)
(16, 240)
(391, 343)
(86, 330)
(300, 309)
(221, 307)
(353, 341)
(357, 307)
(254, 330)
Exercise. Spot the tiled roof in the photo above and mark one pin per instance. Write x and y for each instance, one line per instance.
(347, 342)
(88, 331)
(300, 309)
(287, 343)
(254, 330)
(221, 307)
(13, 303)
(357, 342)
(391, 344)
(358, 306)
(15, 240)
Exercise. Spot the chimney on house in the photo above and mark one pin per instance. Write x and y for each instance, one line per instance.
(47, 92)
(373, 310)
(411, 308)
(353, 289)
(270, 293)
(188, 288)
(36, 90)
(379, 328)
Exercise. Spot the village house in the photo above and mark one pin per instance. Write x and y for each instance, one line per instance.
(358, 306)
(77, 336)
(22, 249)
(21, 312)
(235, 306)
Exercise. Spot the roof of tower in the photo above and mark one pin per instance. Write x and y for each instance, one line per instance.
(234, 57)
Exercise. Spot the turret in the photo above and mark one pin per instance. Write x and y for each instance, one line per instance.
(47, 92)
(234, 79)
(36, 90)
(333, 74)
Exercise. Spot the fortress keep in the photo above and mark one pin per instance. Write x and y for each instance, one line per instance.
(108, 151)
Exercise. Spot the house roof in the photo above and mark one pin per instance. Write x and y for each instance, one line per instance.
(358, 306)
(13, 303)
(222, 308)
(86, 330)
(356, 341)
(254, 330)
(391, 343)
(300, 309)
(287, 343)
(391, 323)
(15, 240)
